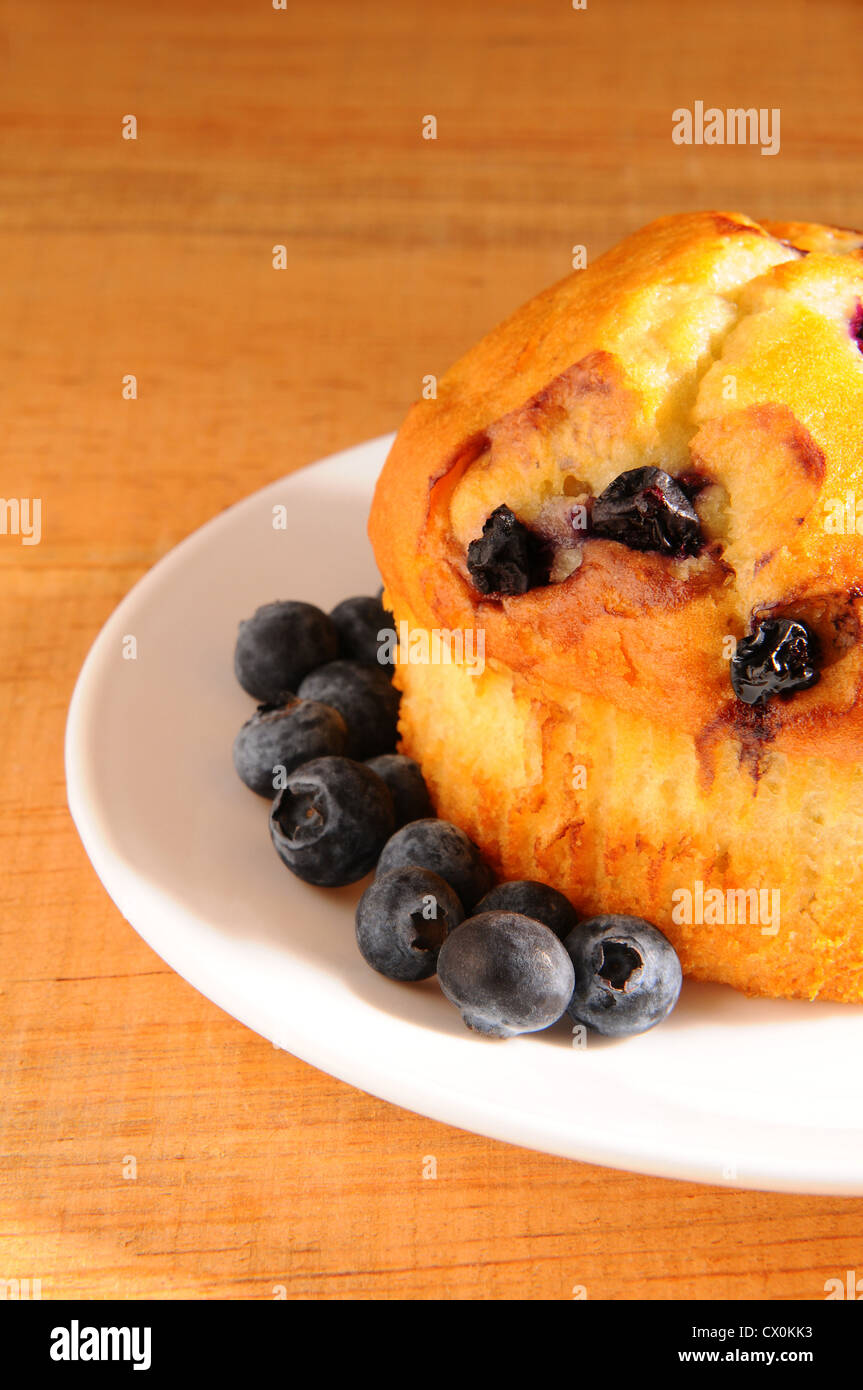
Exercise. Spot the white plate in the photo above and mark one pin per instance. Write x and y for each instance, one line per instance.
(751, 1093)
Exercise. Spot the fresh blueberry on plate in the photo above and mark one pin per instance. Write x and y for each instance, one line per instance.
(627, 975)
(359, 621)
(404, 778)
(283, 737)
(530, 898)
(403, 919)
(366, 699)
(279, 645)
(446, 850)
(506, 974)
(331, 820)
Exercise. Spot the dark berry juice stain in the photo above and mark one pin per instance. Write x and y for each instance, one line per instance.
(855, 328)
(755, 731)
(778, 658)
(754, 727)
(693, 482)
(508, 558)
(647, 509)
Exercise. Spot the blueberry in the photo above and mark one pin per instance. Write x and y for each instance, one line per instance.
(776, 659)
(404, 778)
(279, 645)
(506, 974)
(508, 558)
(443, 848)
(284, 736)
(532, 899)
(331, 820)
(627, 975)
(403, 919)
(358, 622)
(646, 509)
(366, 699)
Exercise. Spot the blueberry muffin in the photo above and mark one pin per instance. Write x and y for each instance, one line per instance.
(641, 490)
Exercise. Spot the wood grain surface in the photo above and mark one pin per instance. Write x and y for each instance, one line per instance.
(153, 257)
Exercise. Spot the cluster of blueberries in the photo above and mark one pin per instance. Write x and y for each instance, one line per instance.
(647, 509)
(513, 957)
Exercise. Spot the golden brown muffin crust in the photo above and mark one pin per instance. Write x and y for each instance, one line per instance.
(628, 363)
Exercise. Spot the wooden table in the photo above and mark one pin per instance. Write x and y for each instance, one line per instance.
(153, 257)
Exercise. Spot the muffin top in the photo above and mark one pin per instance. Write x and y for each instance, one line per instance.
(727, 355)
